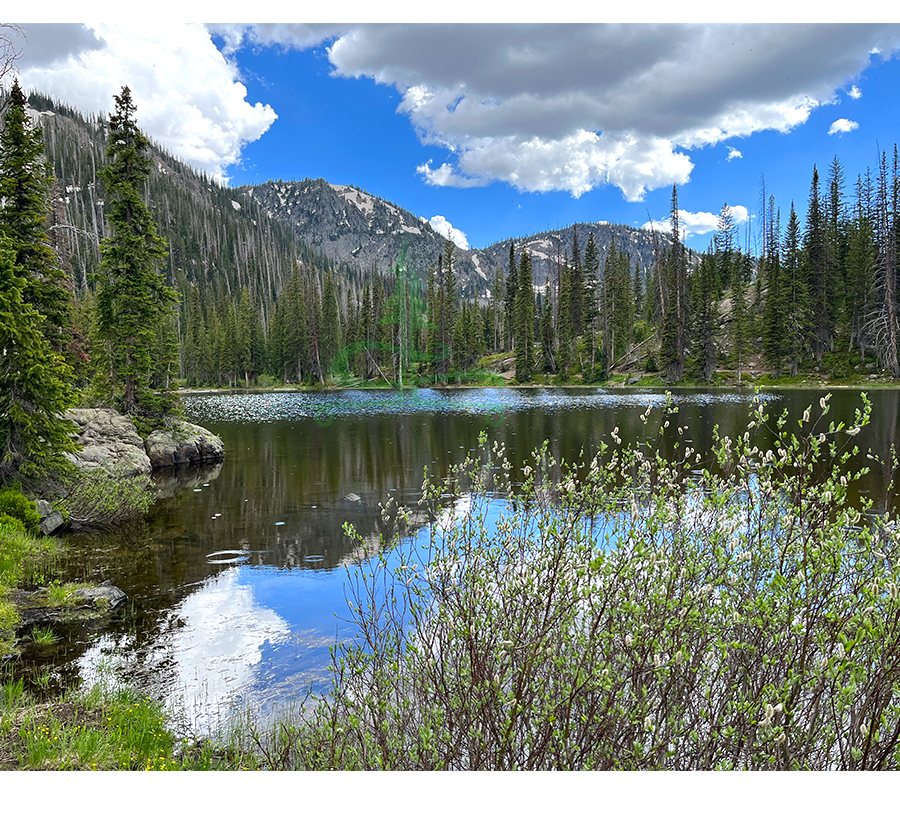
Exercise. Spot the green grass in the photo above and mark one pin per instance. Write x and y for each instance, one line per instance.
(43, 635)
(101, 730)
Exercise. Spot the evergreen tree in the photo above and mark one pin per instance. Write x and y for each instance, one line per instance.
(861, 258)
(524, 336)
(497, 311)
(132, 297)
(704, 285)
(815, 267)
(34, 387)
(674, 303)
(331, 327)
(775, 312)
(740, 324)
(25, 187)
(512, 286)
(796, 296)
(564, 324)
(591, 295)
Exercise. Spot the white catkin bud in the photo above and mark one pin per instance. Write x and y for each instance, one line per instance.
(648, 723)
(629, 640)
(806, 416)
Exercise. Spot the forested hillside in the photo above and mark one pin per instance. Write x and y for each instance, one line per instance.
(311, 282)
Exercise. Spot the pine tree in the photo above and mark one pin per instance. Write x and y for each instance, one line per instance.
(524, 336)
(775, 309)
(704, 284)
(25, 187)
(861, 259)
(34, 387)
(591, 294)
(564, 324)
(512, 286)
(814, 264)
(331, 327)
(132, 297)
(796, 296)
(674, 303)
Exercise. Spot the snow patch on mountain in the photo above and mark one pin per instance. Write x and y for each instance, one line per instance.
(364, 202)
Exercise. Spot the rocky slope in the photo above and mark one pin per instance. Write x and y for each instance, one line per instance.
(351, 226)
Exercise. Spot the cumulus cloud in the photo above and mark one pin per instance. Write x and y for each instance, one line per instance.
(733, 153)
(576, 107)
(697, 223)
(444, 228)
(855, 92)
(842, 126)
(189, 98)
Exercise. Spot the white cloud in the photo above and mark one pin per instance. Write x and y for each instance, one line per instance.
(855, 92)
(444, 228)
(576, 107)
(733, 153)
(842, 126)
(699, 222)
(189, 98)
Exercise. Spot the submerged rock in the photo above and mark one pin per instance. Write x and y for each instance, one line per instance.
(183, 443)
(105, 592)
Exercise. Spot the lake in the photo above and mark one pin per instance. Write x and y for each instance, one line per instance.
(238, 577)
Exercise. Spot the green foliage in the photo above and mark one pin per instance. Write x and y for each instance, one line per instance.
(25, 184)
(99, 499)
(16, 506)
(102, 729)
(34, 387)
(133, 300)
(626, 614)
(524, 321)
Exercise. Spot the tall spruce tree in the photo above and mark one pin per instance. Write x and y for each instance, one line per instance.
(25, 186)
(132, 296)
(674, 302)
(34, 387)
(525, 321)
(704, 283)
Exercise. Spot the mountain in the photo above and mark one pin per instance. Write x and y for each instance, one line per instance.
(220, 241)
(223, 239)
(352, 227)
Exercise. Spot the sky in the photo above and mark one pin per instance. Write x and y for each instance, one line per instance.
(493, 130)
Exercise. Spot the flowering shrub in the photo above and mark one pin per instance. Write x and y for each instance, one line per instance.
(630, 612)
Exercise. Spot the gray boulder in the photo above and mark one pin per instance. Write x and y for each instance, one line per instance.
(52, 523)
(183, 443)
(106, 591)
(109, 441)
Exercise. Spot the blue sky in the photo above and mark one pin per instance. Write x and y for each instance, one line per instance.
(502, 130)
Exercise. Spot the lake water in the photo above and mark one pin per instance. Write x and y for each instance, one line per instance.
(238, 577)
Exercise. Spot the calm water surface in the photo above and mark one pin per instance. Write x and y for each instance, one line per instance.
(238, 578)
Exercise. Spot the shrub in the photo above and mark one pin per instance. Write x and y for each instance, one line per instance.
(100, 499)
(16, 506)
(628, 613)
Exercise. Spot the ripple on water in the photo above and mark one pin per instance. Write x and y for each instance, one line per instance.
(328, 406)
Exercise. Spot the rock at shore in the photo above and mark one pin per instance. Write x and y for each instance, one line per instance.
(108, 441)
(183, 443)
